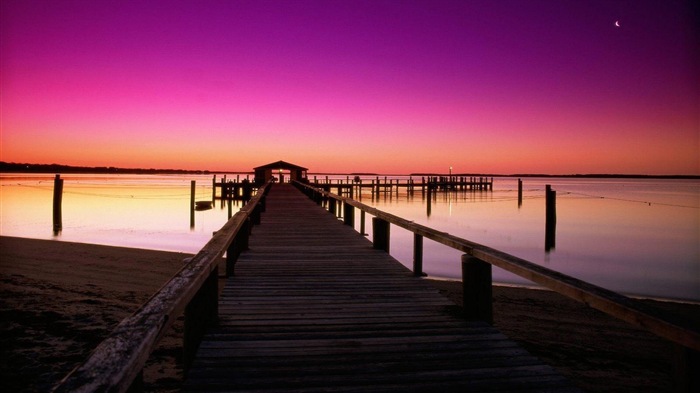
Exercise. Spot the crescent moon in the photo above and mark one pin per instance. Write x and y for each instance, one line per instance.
(617, 23)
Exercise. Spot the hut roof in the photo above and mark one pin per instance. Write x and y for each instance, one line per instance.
(281, 165)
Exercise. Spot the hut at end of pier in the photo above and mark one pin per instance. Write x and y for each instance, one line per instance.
(280, 168)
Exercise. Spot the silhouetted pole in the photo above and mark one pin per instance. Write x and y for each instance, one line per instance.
(192, 189)
(551, 218)
(520, 192)
(57, 202)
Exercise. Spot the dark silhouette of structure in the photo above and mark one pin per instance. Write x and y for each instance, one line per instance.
(266, 172)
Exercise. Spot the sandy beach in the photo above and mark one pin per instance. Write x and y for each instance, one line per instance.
(59, 299)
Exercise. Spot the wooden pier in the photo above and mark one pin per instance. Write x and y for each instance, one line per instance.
(384, 185)
(314, 307)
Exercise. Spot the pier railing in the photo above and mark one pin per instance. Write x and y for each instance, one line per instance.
(476, 277)
(116, 364)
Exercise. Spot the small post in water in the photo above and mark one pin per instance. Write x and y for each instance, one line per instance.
(520, 193)
(57, 202)
(192, 189)
(551, 218)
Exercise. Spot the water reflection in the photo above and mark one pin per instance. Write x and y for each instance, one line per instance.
(629, 235)
(637, 236)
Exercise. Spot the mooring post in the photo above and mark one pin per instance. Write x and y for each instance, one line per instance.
(476, 289)
(213, 189)
(201, 311)
(57, 203)
(520, 192)
(551, 218)
(380, 234)
(418, 255)
(192, 191)
(348, 214)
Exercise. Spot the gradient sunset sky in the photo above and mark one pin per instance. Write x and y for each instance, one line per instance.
(493, 86)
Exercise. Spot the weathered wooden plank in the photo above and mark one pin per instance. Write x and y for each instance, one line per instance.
(313, 307)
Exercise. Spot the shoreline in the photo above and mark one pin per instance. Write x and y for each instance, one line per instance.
(58, 300)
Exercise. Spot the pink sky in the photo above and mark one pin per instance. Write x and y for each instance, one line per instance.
(532, 86)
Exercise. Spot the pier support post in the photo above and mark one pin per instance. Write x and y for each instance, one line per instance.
(348, 214)
(57, 204)
(380, 234)
(201, 311)
(418, 255)
(476, 289)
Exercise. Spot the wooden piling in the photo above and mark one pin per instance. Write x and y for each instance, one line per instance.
(418, 255)
(477, 289)
(520, 192)
(192, 191)
(380, 234)
(348, 214)
(551, 218)
(362, 223)
(57, 204)
(201, 312)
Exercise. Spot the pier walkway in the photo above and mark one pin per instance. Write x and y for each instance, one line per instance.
(314, 307)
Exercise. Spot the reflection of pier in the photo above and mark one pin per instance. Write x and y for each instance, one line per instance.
(385, 185)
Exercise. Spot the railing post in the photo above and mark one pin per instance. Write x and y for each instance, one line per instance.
(418, 255)
(362, 223)
(201, 311)
(348, 214)
(255, 214)
(237, 246)
(476, 289)
(380, 234)
(687, 369)
(331, 205)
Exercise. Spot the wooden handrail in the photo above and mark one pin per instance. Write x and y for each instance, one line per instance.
(609, 302)
(118, 360)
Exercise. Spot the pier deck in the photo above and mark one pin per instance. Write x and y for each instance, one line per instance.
(313, 307)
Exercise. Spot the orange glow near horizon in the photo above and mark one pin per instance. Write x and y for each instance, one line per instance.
(362, 87)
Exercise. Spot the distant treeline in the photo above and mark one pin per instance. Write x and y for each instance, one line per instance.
(57, 168)
(589, 175)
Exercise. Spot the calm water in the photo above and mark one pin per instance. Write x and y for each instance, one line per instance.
(640, 237)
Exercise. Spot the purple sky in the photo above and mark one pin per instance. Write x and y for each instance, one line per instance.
(385, 86)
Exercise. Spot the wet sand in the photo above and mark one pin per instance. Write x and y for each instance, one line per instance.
(58, 300)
